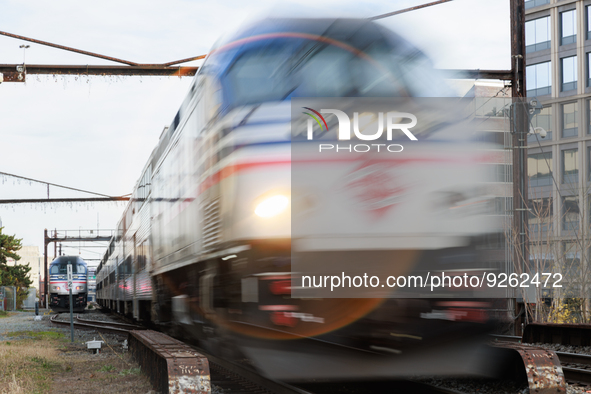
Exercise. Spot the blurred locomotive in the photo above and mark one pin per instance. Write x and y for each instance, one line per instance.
(206, 242)
(59, 293)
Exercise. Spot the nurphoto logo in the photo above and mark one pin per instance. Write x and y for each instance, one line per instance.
(394, 121)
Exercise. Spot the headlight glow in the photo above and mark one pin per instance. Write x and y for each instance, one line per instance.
(271, 206)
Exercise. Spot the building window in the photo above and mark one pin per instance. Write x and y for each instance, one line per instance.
(570, 213)
(569, 73)
(537, 34)
(534, 3)
(543, 120)
(589, 167)
(570, 127)
(588, 22)
(539, 169)
(588, 69)
(570, 166)
(539, 79)
(568, 21)
(540, 214)
(572, 266)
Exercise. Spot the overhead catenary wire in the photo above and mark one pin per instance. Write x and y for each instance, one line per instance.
(60, 186)
(418, 7)
(133, 68)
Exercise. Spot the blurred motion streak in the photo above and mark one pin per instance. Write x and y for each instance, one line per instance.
(205, 244)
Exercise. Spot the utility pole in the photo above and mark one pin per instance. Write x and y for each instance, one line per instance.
(45, 290)
(520, 115)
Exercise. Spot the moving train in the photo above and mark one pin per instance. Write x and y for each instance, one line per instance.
(207, 242)
(59, 293)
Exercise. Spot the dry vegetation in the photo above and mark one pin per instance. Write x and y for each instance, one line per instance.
(47, 363)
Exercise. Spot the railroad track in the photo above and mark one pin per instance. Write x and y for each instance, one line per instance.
(234, 378)
(576, 367)
(506, 338)
(125, 326)
(372, 387)
(238, 379)
(111, 327)
(225, 375)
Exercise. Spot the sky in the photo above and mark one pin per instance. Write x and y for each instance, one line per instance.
(96, 133)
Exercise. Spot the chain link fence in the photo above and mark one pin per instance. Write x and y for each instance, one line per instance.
(8, 298)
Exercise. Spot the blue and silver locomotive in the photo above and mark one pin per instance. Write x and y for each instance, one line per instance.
(59, 292)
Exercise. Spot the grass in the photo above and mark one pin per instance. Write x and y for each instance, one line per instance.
(131, 371)
(107, 368)
(45, 363)
(4, 314)
(35, 362)
(37, 334)
(25, 365)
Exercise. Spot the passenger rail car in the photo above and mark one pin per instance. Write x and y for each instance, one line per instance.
(199, 248)
(59, 293)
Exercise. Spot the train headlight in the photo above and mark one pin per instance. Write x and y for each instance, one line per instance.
(272, 206)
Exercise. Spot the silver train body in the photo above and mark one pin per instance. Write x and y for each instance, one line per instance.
(191, 251)
(59, 292)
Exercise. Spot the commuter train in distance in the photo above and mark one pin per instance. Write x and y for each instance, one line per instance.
(205, 245)
(59, 293)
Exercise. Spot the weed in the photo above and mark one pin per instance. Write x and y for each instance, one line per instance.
(130, 371)
(45, 364)
(37, 358)
(107, 368)
(37, 334)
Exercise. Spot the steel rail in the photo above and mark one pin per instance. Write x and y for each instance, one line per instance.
(507, 338)
(576, 368)
(111, 329)
(227, 372)
(578, 375)
(112, 324)
(574, 358)
(422, 387)
(223, 368)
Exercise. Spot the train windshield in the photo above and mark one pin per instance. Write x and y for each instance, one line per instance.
(61, 268)
(276, 72)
